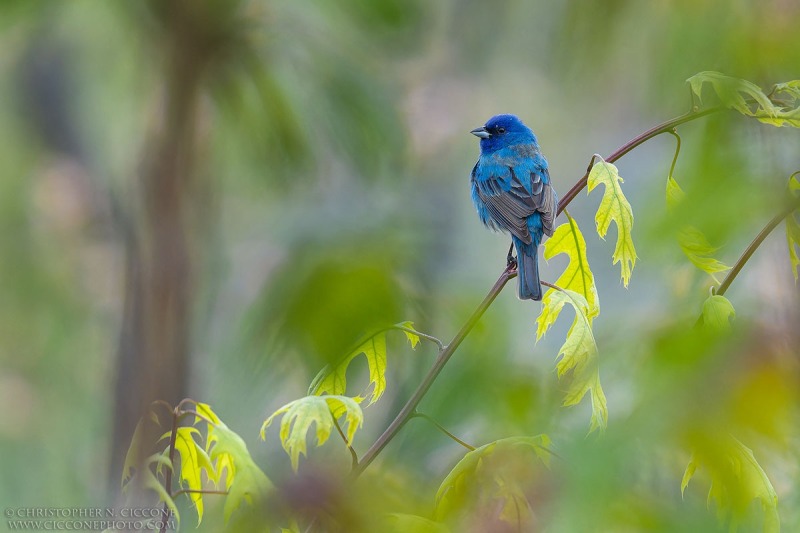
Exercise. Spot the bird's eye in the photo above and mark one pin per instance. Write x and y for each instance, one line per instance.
(501, 130)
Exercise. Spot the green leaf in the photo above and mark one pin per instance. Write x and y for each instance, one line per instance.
(245, 482)
(614, 207)
(578, 277)
(150, 481)
(205, 410)
(717, 312)
(733, 93)
(193, 461)
(496, 476)
(675, 194)
(699, 251)
(736, 480)
(334, 381)
(793, 229)
(789, 88)
(409, 523)
(412, 338)
(300, 414)
(132, 461)
(578, 362)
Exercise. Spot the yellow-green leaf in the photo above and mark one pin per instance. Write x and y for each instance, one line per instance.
(699, 251)
(579, 361)
(333, 381)
(717, 312)
(245, 482)
(132, 456)
(793, 229)
(412, 337)
(321, 411)
(193, 461)
(151, 482)
(736, 480)
(789, 88)
(732, 92)
(675, 194)
(614, 207)
(205, 410)
(578, 277)
(499, 471)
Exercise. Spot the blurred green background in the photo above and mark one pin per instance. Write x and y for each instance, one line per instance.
(216, 198)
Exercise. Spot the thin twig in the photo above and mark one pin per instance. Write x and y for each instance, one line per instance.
(425, 336)
(753, 246)
(441, 428)
(411, 405)
(633, 143)
(674, 132)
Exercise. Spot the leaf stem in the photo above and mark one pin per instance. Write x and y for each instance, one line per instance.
(353, 454)
(425, 336)
(750, 250)
(674, 132)
(410, 407)
(417, 414)
(633, 143)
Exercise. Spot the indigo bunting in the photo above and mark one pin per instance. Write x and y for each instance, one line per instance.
(512, 192)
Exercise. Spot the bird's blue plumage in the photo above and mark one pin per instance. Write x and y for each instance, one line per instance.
(512, 192)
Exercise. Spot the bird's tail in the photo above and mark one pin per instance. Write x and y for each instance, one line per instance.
(528, 269)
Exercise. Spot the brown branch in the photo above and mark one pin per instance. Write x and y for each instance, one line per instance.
(411, 405)
(750, 250)
(633, 143)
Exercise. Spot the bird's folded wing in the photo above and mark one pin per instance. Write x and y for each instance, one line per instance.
(510, 204)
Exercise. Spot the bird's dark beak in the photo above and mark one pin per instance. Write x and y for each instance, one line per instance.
(481, 132)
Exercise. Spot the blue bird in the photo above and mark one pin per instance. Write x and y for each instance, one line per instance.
(512, 192)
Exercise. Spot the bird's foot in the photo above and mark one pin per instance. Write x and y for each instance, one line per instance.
(511, 263)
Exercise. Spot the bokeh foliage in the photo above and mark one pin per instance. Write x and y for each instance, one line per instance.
(334, 199)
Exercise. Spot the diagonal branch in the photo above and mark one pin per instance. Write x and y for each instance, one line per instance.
(664, 127)
(410, 407)
(750, 250)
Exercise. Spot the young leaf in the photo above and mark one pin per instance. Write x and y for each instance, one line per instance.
(699, 251)
(789, 88)
(412, 338)
(334, 381)
(578, 277)
(579, 361)
(614, 207)
(496, 474)
(148, 480)
(132, 456)
(717, 312)
(193, 461)
(793, 229)
(732, 92)
(788, 115)
(300, 414)
(245, 482)
(675, 194)
(736, 480)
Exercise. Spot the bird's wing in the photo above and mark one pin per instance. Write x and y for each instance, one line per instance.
(507, 199)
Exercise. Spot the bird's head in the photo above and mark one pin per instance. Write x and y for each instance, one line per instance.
(501, 131)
